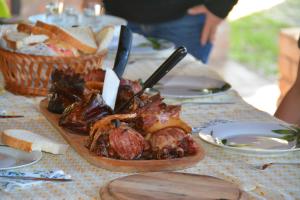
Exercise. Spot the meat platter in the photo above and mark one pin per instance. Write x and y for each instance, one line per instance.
(139, 133)
(77, 143)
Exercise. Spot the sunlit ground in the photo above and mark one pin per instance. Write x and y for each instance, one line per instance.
(265, 98)
(246, 7)
(255, 27)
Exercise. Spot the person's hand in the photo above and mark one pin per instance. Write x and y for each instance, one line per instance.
(210, 25)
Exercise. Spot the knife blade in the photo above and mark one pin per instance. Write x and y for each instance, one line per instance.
(113, 77)
(171, 61)
(124, 47)
(36, 178)
(110, 88)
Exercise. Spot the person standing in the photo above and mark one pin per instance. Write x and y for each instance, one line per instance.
(192, 23)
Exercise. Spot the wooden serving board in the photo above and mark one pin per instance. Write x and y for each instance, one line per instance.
(78, 142)
(169, 186)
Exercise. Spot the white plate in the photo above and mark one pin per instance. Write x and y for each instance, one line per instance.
(187, 86)
(11, 158)
(96, 25)
(246, 130)
(141, 46)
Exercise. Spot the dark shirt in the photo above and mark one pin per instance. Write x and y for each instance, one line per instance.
(154, 11)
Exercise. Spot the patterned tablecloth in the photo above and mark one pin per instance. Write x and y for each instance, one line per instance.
(277, 182)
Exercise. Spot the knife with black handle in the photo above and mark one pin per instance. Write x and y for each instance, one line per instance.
(124, 47)
(36, 178)
(171, 61)
(11, 116)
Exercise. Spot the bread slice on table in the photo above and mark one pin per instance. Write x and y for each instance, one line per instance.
(82, 38)
(34, 30)
(29, 141)
(17, 40)
(104, 37)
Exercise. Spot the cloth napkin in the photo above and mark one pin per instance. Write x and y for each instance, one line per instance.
(8, 185)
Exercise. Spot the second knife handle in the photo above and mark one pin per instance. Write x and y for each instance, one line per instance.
(164, 68)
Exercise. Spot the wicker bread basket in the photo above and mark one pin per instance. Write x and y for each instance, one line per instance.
(29, 75)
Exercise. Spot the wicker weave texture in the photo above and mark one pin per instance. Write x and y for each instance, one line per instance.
(30, 74)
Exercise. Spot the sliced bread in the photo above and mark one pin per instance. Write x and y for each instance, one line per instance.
(81, 38)
(14, 40)
(104, 37)
(24, 28)
(29, 141)
(33, 39)
(34, 30)
(62, 48)
(17, 40)
(38, 49)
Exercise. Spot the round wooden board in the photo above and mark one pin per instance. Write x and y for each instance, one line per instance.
(77, 143)
(169, 186)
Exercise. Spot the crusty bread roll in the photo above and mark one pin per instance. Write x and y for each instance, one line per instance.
(29, 141)
(81, 38)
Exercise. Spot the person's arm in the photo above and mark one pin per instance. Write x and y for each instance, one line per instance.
(215, 11)
(289, 108)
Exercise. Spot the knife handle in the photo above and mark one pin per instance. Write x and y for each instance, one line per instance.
(124, 47)
(11, 116)
(172, 60)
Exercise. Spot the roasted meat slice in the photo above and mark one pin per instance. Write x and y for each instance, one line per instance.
(156, 115)
(79, 116)
(171, 143)
(135, 85)
(94, 75)
(102, 126)
(67, 87)
(126, 142)
(127, 89)
(120, 142)
(125, 92)
(94, 79)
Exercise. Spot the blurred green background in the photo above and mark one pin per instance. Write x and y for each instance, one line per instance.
(254, 38)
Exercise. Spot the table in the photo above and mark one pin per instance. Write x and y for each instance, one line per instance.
(274, 183)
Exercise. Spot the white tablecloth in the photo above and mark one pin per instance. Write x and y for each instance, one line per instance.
(277, 182)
